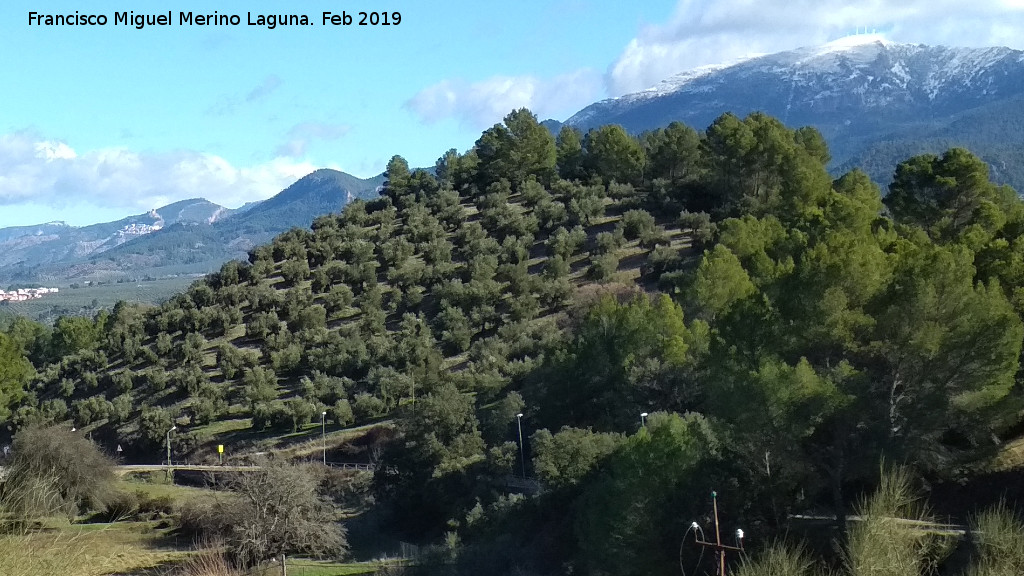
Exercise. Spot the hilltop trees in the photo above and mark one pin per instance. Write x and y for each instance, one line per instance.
(614, 155)
(621, 358)
(569, 153)
(946, 195)
(516, 150)
(859, 341)
(786, 331)
(674, 153)
(757, 165)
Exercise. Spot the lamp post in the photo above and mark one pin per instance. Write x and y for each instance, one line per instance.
(173, 428)
(643, 422)
(522, 454)
(323, 433)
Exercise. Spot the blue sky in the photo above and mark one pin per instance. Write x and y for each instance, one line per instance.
(100, 122)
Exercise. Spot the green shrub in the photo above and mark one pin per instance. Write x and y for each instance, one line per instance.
(121, 408)
(367, 406)
(341, 413)
(608, 242)
(778, 560)
(156, 378)
(162, 505)
(603, 267)
(300, 412)
(153, 425)
(204, 411)
(636, 223)
(122, 381)
(89, 410)
(121, 506)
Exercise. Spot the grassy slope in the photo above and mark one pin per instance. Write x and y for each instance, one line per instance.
(128, 547)
(89, 550)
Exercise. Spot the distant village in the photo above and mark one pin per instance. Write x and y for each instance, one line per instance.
(22, 294)
(135, 229)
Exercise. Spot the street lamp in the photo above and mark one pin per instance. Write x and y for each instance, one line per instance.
(173, 428)
(522, 454)
(643, 423)
(323, 433)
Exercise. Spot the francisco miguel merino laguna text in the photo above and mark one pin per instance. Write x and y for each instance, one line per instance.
(271, 21)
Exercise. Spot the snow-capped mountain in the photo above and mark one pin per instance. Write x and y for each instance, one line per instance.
(858, 91)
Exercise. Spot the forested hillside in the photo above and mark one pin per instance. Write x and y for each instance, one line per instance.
(783, 331)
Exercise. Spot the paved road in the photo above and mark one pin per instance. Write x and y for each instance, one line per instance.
(227, 468)
(128, 468)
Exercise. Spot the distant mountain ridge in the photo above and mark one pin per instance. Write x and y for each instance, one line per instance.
(320, 192)
(869, 97)
(193, 235)
(57, 242)
(317, 193)
(13, 232)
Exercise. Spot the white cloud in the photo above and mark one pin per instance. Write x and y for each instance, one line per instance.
(39, 171)
(481, 104)
(54, 150)
(714, 31)
(301, 135)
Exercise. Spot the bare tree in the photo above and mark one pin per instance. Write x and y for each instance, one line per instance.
(279, 509)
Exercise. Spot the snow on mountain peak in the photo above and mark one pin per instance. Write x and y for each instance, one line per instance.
(859, 72)
(674, 83)
(844, 44)
(839, 47)
(856, 40)
(860, 49)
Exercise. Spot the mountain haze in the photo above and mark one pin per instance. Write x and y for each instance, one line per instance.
(321, 192)
(57, 242)
(192, 235)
